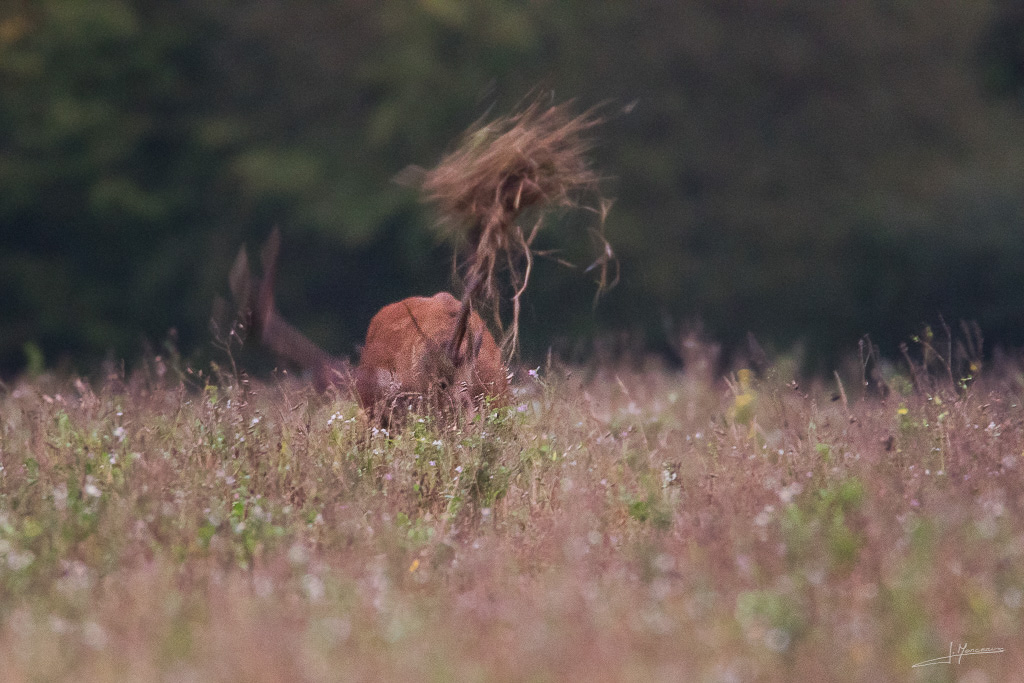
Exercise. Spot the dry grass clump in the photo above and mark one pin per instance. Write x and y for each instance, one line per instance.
(534, 159)
(612, 524)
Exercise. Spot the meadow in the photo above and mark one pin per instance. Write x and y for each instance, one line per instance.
(619, 522)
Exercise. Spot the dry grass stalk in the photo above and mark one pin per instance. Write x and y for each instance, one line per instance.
(228, 531)
(535, 159)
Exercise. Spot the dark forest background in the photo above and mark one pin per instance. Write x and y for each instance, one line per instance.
(805, 171)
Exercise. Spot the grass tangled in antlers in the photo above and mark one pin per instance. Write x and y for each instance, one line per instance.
(534, 159)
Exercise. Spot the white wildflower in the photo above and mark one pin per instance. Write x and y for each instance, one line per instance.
(764, 517)
(787, 493)
(90, 487)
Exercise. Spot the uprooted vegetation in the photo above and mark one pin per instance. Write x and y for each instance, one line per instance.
(612, 523)
(523, 164)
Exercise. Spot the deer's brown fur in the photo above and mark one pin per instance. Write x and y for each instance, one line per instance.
(409, 351)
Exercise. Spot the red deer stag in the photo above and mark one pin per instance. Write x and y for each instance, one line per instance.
(431, 349)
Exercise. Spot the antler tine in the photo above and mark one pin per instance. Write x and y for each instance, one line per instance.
(240, 280)
(265, 297)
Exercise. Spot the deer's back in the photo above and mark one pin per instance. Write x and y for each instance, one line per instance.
(403, 343)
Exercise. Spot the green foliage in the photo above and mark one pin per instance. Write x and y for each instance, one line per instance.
(651, 509)
(772, 617)
(829, 523)
(775, 175)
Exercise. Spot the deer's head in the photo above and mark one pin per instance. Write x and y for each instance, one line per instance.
(433, 349)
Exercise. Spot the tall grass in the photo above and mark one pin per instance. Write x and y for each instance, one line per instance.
(614, 523)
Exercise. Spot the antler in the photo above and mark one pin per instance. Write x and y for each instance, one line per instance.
(255, 300)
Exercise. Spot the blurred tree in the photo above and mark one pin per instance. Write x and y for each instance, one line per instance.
(805, 171)
(1002, 51)
(84, 141)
